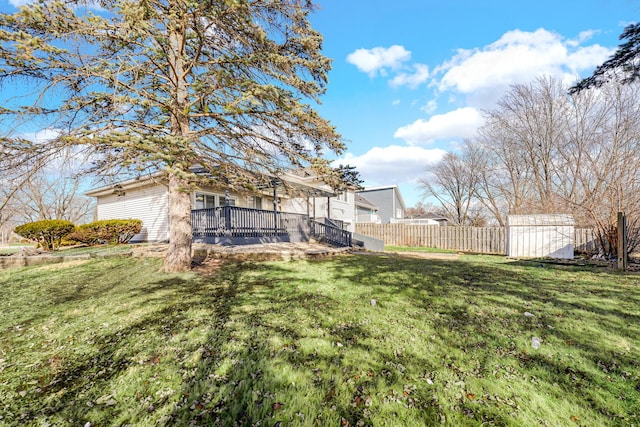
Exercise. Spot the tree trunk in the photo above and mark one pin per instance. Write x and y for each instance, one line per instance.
(178, 257)
(180, 234)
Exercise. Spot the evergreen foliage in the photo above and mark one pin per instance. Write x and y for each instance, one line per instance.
(623, 65)
(48, 233)
(112, 231)
(147, 85)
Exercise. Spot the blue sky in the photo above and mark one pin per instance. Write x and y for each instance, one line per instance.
(411, 78)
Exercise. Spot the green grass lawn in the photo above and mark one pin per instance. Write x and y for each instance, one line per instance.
(72, 250)
(113, 342)
(11, 248)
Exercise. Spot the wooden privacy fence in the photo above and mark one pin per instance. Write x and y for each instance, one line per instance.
(586, 241)
(487, 240)
(484, 240)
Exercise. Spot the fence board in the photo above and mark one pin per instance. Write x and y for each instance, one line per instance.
(485, 240)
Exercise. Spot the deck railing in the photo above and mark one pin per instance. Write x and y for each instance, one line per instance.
(232, 221)
(235, 224)
(330, 234)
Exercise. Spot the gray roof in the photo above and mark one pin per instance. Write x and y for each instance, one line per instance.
(386, 187)
(430, 215)
(363, 201)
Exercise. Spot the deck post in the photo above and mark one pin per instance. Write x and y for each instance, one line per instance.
(275, 208)
(328, 207)
(227, 220)
(314, 207)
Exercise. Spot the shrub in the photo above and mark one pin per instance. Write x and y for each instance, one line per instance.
(86, 235)
(48, 233)
(113, 231)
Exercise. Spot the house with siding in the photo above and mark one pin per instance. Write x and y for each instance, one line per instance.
(424, 219)
(388, 201)
(366, 210)
(339, 208)
(147, 198)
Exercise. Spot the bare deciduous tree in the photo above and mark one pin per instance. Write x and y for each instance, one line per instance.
(52, 196)
(545, 151)
(454, 183)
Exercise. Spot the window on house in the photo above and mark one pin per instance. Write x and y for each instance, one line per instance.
(398, 213)
(208, 200)
(342, 197)
(205, 201)
(254, 202)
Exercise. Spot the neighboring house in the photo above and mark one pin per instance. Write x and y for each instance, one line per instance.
(424, 219)
(339, 207)
(388, 200)
(366, 210)
(218, 212)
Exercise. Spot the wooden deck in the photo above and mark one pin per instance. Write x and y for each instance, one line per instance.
(233, 225)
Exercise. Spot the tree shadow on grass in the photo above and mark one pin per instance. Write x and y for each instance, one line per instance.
(260, 368)
(254, 344)
(78, 386)
(481, 304)
(271, 371)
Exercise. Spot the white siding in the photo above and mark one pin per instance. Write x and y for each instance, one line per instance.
(149, 204)
(297, 205)
(340, 209)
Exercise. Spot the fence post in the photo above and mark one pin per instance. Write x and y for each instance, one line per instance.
(622, 241)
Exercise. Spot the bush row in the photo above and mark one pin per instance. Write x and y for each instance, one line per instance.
(113, 231)
(49, 233)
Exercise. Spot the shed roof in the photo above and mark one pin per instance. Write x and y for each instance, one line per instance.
(540, 220)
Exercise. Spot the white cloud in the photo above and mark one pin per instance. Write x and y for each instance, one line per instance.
(378, 59)
(587, 57)
(431, 106)
(395, 102)
(393, 164)
(43, 135)
(517, 57)
(414, 79)
(582, 37)
(88, 4)
(460, 123)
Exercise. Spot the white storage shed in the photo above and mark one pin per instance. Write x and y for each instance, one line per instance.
(537, 236)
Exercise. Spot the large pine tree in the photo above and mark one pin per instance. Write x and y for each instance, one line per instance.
(166, 84)
(623, 65)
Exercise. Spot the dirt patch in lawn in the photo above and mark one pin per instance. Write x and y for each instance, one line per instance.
(206, 266)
